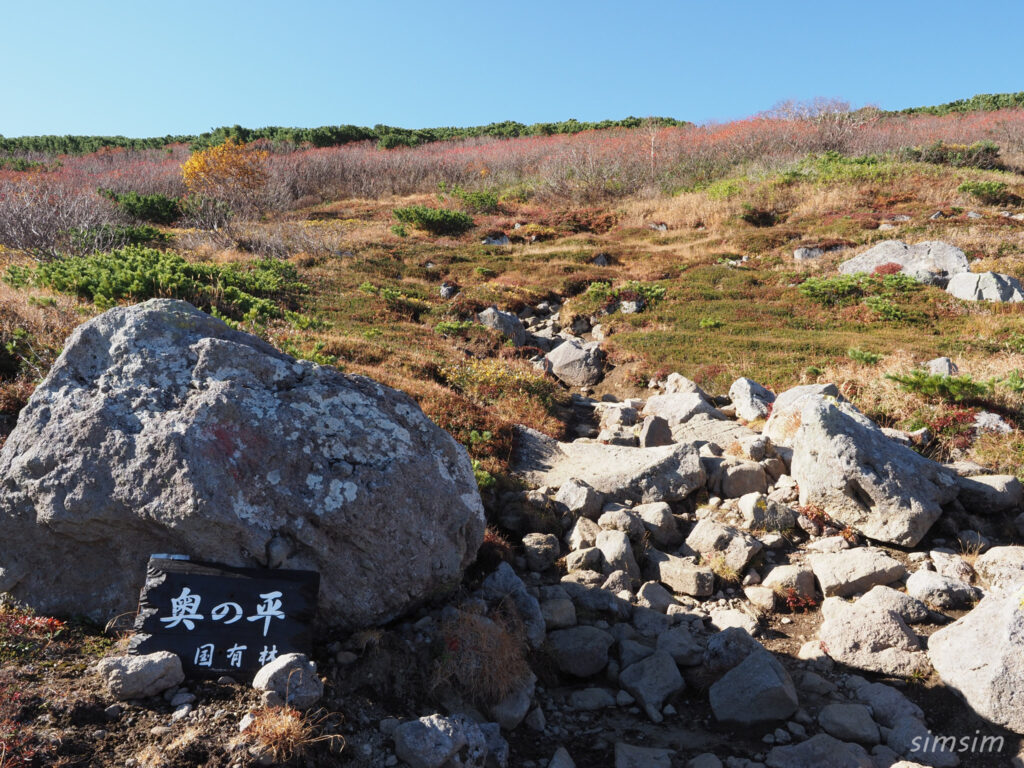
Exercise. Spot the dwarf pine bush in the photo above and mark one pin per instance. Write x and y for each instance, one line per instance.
(250, 292)
(437, 221)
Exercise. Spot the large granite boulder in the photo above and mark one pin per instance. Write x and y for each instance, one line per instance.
(932, 261)
(162, 430)
(846, 464)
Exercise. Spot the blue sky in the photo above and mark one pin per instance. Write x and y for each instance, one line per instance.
(148, 69)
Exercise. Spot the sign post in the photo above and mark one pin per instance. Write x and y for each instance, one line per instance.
(222, 620)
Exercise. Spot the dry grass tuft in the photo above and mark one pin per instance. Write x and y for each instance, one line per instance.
(284, 733)
(483, 656)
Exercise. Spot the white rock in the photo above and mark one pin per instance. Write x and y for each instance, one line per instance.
(293, 677)
(139, 677)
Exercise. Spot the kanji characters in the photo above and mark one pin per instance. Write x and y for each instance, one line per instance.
(184, 610)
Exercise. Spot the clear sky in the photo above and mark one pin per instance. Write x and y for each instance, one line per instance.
(144, 68)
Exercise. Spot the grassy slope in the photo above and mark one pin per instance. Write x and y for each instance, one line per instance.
(720, 318)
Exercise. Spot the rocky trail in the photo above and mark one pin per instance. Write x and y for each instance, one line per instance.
(746, 579)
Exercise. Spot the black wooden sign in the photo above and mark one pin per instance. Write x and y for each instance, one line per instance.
(222, 620)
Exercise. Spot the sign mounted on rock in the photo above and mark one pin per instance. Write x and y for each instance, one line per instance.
(222, 620)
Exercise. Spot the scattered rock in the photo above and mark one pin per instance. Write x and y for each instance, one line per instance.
(849, 722)
(808, 254)
(876, 641)
(932, 262)
(507, 324)
(680, 407)
(651, 681)
(654, 432)
(576, 363)
(627, 756)
(733, 547)
(797, 578)
(432, 741)
(845, 463)
(591, 699)
(750, 400)
(1001, 566)
(784, 421)
(755, 693)
(682, 575)
(854, 570)
(580, 651)
(541, 549)
(292, 677)
(512, 710)
(761, 514)
(990, 494)
(985, 286)
(883, 598)
(578, 498)
(139, 677)
(981, 656)
(640, 475)
(821, 751)
(941, 591)
(942, 366)
(727, 649)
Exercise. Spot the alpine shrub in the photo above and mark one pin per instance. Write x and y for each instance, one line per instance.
(437, 221)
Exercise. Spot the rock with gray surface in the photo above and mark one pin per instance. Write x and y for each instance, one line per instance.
(641, 475)
(990, 494)
(680, 574)
(651, 681)
(750, 400)
(655, 431)
(580, 651)
(576, 363)
(507, 324)
(139, 677)
(735, 548)
(883, 598)
(933, 262)
(782, 425)
(854, 570)
(755, 693)
(629, 756)
(844, 463)
(161, 429)
(821, 751)
(849, 722)
(941, 591)
(433, 741)
(985, 286)
(505, 587)
(680, 408)
(1001, 566)
(293, 677)
(579, 499)
(981, 656)
(872, 640)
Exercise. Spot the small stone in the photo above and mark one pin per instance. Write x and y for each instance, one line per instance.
(293, 677)
(139, 677)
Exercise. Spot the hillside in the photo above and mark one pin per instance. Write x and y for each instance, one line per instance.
(709, 252)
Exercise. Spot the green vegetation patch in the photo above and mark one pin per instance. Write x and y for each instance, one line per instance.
(990, 192)
(250, 292)
(437, 221)
(156, 209)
